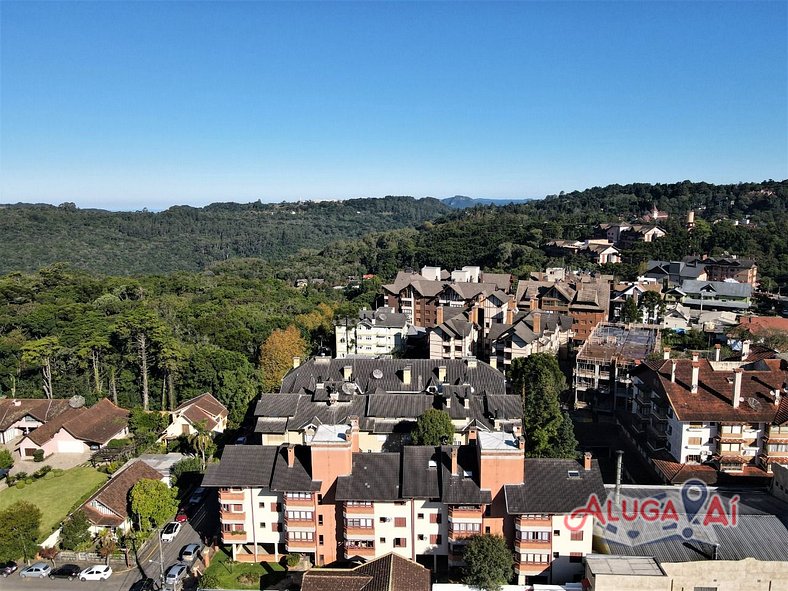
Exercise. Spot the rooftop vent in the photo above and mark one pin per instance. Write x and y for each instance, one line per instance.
(432, 464)
(76, 401)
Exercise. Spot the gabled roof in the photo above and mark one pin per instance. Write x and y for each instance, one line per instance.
(387, 573)
(114, 495)
(41, 409)
(97, 424)
(456, 326)
(718, 288)
(298, 477)
(204, 408)
(461, 489)
(554, 486)
(374, 477)
(242, 465)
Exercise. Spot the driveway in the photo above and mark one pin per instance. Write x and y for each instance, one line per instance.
(62, 461)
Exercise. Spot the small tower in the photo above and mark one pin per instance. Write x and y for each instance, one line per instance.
(690, 219)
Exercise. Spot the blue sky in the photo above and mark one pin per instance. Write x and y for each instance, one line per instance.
(125, 105)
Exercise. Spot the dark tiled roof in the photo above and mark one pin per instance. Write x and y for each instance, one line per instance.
(274, 425)
(548, 487)
(419, 479)
(400, 405)
(41, 409)
(714, 399)
(387, 573)
(296, 478)
(115, 494)
(277, 405)
(459, 489)
(242, 465)
(374, 477)
(100, 423)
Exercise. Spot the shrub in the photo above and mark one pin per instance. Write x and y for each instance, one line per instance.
(209, 581)
(6, 459)
(28, 481)
(57, 471)
(21, 475)
(118, 443)
(249, 579)
(38, 455)
(20, 484)
(49, 475)
(41, 472)
(293, 559)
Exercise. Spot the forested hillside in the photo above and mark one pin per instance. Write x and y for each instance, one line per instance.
(189, 238)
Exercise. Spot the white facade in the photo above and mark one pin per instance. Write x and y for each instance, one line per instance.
(444, 345)
(367, 337)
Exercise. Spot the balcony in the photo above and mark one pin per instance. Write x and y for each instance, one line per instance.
(234, 536)
(530, 524)
(232, 517)
(465, 512)
(365, 551)
(458, 534)
(531, 568)
(300, 545)
(359, 531)
(300, 524)
(226, 496)
(533, 545)
(299, 502)
(359, 509)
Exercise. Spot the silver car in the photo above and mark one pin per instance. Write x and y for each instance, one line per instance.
(37, 569)
(190, 552)
(175, 574)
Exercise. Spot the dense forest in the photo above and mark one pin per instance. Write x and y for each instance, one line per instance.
(190, 238)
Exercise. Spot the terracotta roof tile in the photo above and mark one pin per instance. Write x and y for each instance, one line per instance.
(115, 494)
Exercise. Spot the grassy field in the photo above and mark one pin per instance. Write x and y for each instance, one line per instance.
(55, 496)
(241, 575)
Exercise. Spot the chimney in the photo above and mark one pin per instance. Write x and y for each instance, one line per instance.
(695, 356)
(695, 374)
(438, 315)
(666, 353)
(537, 320)
(471, 362)
(454, 460)
(347, 372)
(745, 350)
(517, 431)
(442, 374)
(737, 387)
(673, 371)
(471, 434)
(587, 461)
(717, 350)
(354, 443)
(520, 442)
(296, 362)
(448, 401)
(406, 374)
(290, 456)
(466, 402)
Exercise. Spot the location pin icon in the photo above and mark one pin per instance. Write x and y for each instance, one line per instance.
(693, 496)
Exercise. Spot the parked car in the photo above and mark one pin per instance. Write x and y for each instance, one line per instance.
(4, 472)
(190, 552)
(181, 517)
(170, 531)
(97, 572)
(7, 568)
(175, 574)
(146, 584)
(197, 496)
(37, 569)
(67, 571)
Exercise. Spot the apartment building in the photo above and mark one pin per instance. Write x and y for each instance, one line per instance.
(585, 299)
(387, 573)
(531, 332)
(331, 502)
(605, 360)
(728, 267)
(387, 395)
(674, 273)
(454, 338)
(732, 415)
(374, 332)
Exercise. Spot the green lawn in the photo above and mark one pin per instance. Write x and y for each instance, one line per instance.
(229, 573)
(56, 496)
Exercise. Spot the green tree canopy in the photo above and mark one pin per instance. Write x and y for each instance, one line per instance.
(75, 532)
(488, 562)
(433, 427)
(153, 503)
(539, 380)
(20, 525)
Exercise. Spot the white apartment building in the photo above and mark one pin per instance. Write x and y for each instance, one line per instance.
(375, 332)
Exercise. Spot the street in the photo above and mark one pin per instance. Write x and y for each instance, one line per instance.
(149, 560)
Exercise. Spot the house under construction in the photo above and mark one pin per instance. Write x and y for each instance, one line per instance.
(603, 363)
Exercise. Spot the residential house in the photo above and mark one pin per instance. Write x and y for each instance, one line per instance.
(20, 416)
(655, 216)
(760, 327)
(78, 430)
(728, 267)
(673, 273)
(605, 361)
(600, 252)
(328, 501)
(202, 410)
(716, 295)
(730, 414)
(529, 333)
(677, 317)
(391, 572)
(387, 395)
(375, 332)
(627, 234)
(108, 508)
(455, 338)
(622, 292)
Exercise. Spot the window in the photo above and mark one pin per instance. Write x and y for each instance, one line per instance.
(232, 527)
(420, 516)
(466, 527)
(695, 441)
(360, 522)
(301, 535)
(399, 522)
(320, 539)
(262, 525)
(435, 518)
(556, 532)
(359, 503)
(535, 558)
(300, 515)
(320, 520)
(695, 425)
(400, 543)
(693, 458)
(778, 447)
(576, 536)
(436, 539)
(575, 557)
(276, 527)
(534, 536)
(382, 540)
(294, 496)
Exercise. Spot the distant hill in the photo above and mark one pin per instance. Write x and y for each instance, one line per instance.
(186, 238)
(463, 202)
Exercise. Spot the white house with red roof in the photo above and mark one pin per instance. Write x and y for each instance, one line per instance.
(204, 409)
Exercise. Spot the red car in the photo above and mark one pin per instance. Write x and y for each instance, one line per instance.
(181, 516)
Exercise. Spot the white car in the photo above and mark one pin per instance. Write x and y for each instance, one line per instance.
(170, 531)
(190, 552)
(37, 569)
(97, 572)
(175, 574)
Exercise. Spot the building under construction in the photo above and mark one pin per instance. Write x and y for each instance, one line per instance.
(603, 363)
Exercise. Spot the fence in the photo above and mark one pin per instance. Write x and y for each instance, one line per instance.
(69, 556)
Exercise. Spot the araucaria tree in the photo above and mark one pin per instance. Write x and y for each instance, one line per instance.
(19, 529)
(539, 381)
(433, 427)
(488, 562)
(153, 503)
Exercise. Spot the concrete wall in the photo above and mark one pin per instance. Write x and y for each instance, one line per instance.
(728, 575)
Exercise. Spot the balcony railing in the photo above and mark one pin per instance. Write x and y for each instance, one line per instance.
(300, 544)
(532, 545)
(226, 495)
(528, 524)
(299, 502)
(234, 536)
(359, 509)
(230, 516)
(465, 511)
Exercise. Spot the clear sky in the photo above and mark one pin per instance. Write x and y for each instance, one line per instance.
(125, 105)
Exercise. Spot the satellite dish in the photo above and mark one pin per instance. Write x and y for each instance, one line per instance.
(377, 373)
(381, 316)
(76, 401)
(347, 388)
(754, 403)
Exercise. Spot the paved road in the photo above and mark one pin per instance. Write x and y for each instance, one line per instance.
(204, 520)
